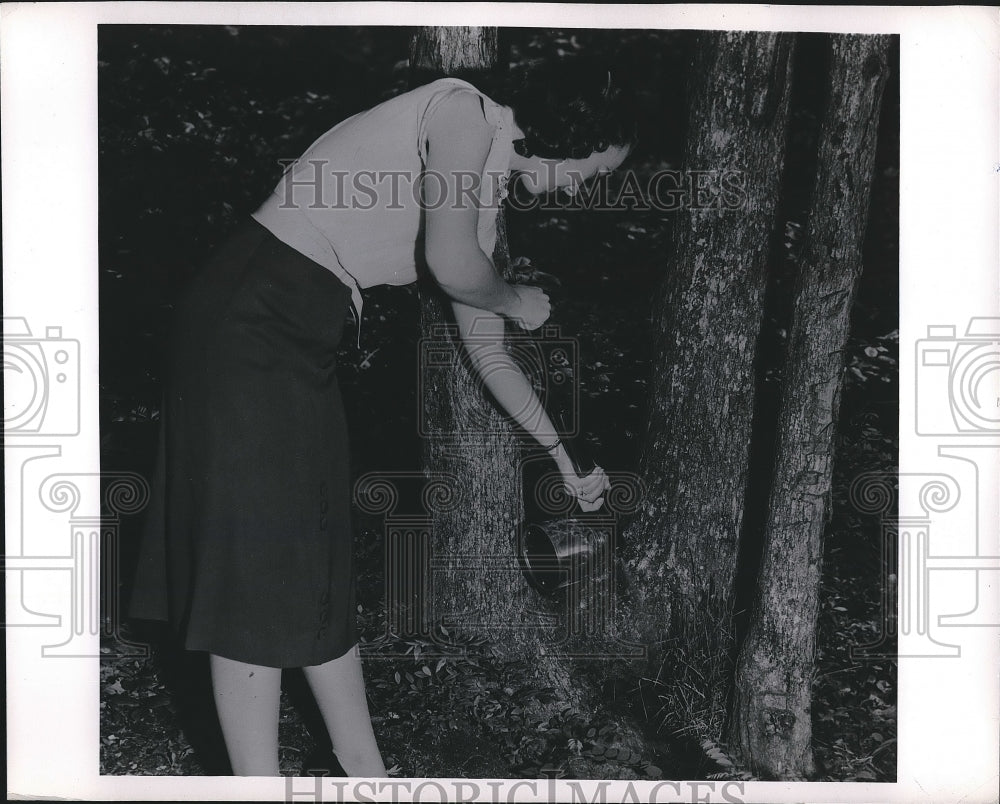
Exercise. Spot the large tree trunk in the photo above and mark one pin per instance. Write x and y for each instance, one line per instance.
(470, 441)
(681, 551)
(771, 727)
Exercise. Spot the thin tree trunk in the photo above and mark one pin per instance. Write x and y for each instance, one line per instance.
(771, 728)
(682, 549)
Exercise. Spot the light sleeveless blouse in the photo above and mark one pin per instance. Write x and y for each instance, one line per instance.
(351, 202)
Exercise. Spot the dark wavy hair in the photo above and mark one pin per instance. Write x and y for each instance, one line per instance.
(569, 108)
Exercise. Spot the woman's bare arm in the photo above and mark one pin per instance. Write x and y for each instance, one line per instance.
(482, 334)
(458, 142)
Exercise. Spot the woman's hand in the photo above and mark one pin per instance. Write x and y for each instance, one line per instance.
(532, 309)
(589, 491)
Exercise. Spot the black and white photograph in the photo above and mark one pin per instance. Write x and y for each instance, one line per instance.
(468, 406)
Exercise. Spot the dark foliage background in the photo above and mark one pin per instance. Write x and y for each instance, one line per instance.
(193, 121)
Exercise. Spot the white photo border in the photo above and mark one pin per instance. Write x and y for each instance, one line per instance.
(949, 213)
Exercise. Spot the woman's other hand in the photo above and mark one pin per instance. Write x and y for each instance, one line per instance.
(589, 491)
(533, 307)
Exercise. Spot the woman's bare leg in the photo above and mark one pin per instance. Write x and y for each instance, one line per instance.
(339, 689)
(246, 699)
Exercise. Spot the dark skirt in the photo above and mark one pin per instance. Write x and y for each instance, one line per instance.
(246, 548)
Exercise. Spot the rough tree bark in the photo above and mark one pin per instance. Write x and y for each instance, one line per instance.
(452, 50)
(469, 440)
(681, 550)
(771, 728)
